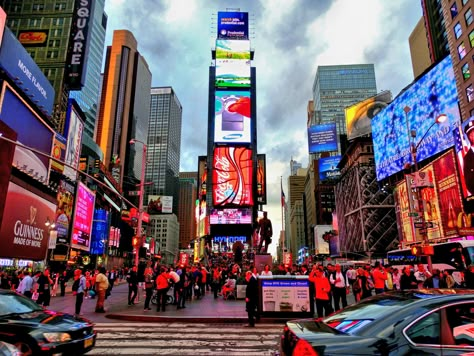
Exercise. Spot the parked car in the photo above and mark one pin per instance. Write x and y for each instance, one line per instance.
(37, 331)
(428, 321)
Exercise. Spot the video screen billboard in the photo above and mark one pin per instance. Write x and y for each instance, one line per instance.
(65, 198)
(231, 216)
(464, 146)
(233, 25)
(83, 214)
(74, 129)
(328, 168)
(232, 176)
(160, 204)
(432, 95)
(232, 49)
(232, 117)
(100, 232)
(202, 177)
(360, 115)
(261, 179)
(232, 73)
(32, 131)
(322, 138)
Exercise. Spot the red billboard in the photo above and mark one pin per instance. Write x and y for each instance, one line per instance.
(23, 232)
(83, 214)
(232, 174)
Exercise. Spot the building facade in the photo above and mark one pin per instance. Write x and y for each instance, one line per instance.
(187, 208)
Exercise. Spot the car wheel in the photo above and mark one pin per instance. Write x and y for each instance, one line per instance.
(25, 348)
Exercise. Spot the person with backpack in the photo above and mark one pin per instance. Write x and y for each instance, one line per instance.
(338, 280)
(78, 288)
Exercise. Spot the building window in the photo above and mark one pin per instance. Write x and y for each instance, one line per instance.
(471, 38)
(470, 93)
(457, 30)
(58, 32)
(52, 54)
(60, 6)
(38, 7)
(466, 73)
(454, 10)
(58, 21)
(464, 2)
(32, 54)
(468, 17)
(461, 50)
(54, 43)
(34, 22)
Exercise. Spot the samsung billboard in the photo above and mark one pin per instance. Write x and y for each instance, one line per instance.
(416, 109)
(232, 117)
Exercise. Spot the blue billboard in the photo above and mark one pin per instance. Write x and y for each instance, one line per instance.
(233, 25)
(20, 67)
(328, 168)
(100, 232)
(416, 109)
(322, 138)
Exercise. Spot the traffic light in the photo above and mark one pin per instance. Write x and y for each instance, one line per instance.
(416, 251)
(135, 241)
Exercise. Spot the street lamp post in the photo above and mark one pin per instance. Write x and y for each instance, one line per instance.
(414, 149)
(140, 201)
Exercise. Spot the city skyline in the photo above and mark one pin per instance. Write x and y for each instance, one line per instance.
(308, 33)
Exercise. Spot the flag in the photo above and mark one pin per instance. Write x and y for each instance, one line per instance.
(282, 195)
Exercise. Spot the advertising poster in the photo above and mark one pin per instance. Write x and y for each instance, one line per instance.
(360, 115)
(232, 73)
(232, 49)
(464, 146)
(233, 25)
(417, 108)
(402, 209)
(183, 259)
(23, 230)
(31, 131)
(322, 138)
(232, 117)
(202, 177)
(59, 152)
(261, 179)
(75, 127)
(3, 20)
(450, 202)
(231, 216)
(328, 168)
(7, 151)
(285, 295)
(63, 215)
(160, 204)
(232, 176)
(83, 214)
(429, 197)
(100, 232)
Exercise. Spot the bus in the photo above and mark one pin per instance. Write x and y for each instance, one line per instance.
(456, 256)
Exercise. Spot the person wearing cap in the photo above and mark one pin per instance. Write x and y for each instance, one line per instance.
(469, 158)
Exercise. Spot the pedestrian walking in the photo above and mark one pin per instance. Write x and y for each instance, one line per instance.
(148, 288)
(78, 288)
(251, 297)
(62, 280)
(26, 285)
(182, 286)
(380, 276)
(44, 288)
(101, 286)
(132, 280)
(162, 286)
(322, 289)
(340, 285)
(112, 276)
(408, 280)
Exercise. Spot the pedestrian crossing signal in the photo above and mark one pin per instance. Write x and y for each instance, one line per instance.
(135, 241)
(416, 251)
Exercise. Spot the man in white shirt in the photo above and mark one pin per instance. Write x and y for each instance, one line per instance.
(26, 284)
(338, 280)
(421, 275)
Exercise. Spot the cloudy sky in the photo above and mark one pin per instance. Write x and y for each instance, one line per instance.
(291, 38)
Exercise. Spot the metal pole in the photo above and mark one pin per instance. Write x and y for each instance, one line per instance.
(140, 205)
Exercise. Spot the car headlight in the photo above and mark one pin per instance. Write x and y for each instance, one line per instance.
(57, 337)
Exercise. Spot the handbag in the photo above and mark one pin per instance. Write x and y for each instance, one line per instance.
(35, 296)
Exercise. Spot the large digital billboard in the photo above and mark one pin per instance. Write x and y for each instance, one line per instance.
(233, 25)
(202, 177)
(232, 117)
(100, 232)
(328, 168)
(232, 174)
(32, 131)
(232, 73)
(24, 71)
(464, 146)
(232, 49)
(83, 214)
(231, 216)
(261, 179)
(74, 129)
(360, 115)
(432, 95)
(322, 138)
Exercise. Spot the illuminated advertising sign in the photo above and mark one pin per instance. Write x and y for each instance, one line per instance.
(465, 156)
(232, 117)
(24, 71)
(202, 177)
(3, 19)
(231, 216)
(83, 213)
(160, 204)
(328, 168)
(431, 211)
(229, 239)
(432, 95)
(232, 73)
(74, 129)
(233, 25)
(65, 198)
(100, 230)
(261, 179)
(449, 196)
(404, 216)
(360, 115)
(322, 138)
(33, 38)
(23, 230)
(230, 49)
(78, 44)
(7, 151)
(232, 174)
(59, 152)
(32, 131)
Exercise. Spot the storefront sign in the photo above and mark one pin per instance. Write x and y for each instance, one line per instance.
(286, 295)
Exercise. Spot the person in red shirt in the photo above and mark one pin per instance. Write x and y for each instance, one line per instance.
(162, 286)
(380, 276)
(322, 291)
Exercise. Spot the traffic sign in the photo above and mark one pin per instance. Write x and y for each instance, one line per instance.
(413, 213)
(428, 225)
(134, 193)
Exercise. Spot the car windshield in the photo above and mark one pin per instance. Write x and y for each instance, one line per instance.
(16, 304)
(357, 316)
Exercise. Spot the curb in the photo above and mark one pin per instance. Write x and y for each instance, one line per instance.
(191, 319)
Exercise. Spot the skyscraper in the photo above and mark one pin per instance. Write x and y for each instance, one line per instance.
(164, 144)
(187, 207)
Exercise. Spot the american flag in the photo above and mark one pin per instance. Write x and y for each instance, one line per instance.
(282, 195)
